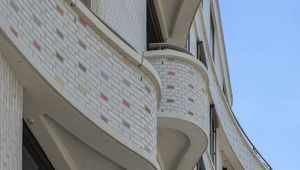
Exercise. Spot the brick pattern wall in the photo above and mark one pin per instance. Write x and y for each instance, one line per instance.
(11, 105)
(183, 91)
(61, 45)
(126, 17)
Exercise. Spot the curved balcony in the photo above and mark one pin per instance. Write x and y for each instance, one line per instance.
(183, 117)
(89, 99)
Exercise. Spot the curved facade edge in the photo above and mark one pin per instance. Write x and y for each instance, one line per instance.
(117, 42)
(226, 103)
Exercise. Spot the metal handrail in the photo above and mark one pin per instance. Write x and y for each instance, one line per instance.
(161, 46)
(253, 147)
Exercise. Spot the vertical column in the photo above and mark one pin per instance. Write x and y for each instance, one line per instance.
(11, 105)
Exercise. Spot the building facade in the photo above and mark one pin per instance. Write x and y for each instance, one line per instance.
(117, 84)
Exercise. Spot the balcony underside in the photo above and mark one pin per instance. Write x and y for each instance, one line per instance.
(180, 143)
(175, 19)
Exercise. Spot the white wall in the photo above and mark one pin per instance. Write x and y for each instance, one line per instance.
(126, 17)
(11, 105)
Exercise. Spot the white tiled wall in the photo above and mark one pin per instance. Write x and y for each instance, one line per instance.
(183, 91)
(126, 17)
(11, 105)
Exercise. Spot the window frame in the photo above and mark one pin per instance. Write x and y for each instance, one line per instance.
(212, 33)
(201, 53)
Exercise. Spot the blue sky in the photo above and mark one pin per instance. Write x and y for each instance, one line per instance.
(263, 49)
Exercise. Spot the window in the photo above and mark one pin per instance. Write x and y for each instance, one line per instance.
(213, 133)
(188, 42)
(154, 34)
(225, 89)
(201, 53)
(212, 35)
(87, 3)
(32, 154)
(201, 4)
(200, 165)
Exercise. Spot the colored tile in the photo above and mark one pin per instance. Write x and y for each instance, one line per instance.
(126, 103)
(170, 87)
(82, 90)
(59, 9)
(82, 44)
(82, 67)
(170, 100)
(147, 129)
(147, 89)
(104, 118)
(191, 113)
(59, 33)
(59, 57)
(171, 73)
(104, 75)
(147, 149)
(147, 109)
(37, 45)
(59, 80)
(36, 20)
(191, 100)
(82, 21)
(191, 86)
(126, 82)
(14, 6)
(126, 124)
(14, 32)
(104, 97)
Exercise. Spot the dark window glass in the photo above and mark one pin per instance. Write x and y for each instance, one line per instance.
(188, 42)
(201, 53)
(32, 154)
(212, 35)
(200, 164)
(154, 34)
(213, 134)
